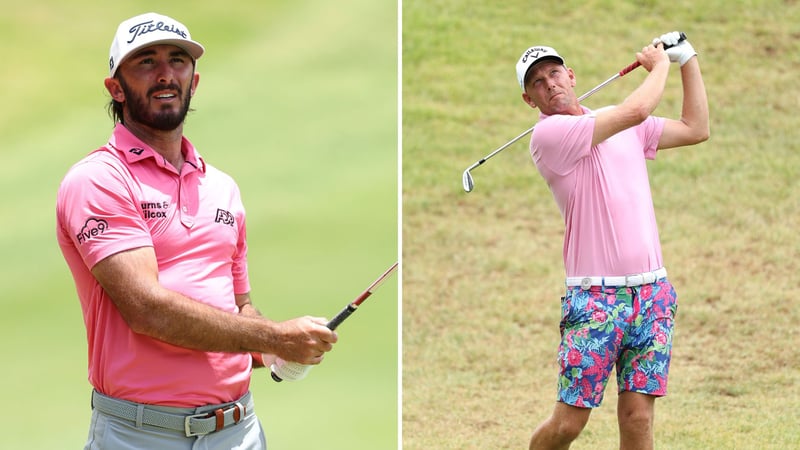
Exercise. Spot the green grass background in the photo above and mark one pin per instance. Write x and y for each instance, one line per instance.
(298, 101)
(483, 271)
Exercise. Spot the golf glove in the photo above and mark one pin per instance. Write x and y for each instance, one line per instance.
(289, 371)
(679, 52)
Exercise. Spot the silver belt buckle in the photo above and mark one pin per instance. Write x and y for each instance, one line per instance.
(187, 425)
(640, 279)
(586, 283)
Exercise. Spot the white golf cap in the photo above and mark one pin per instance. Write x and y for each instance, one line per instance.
(532, 56)
(150, 29)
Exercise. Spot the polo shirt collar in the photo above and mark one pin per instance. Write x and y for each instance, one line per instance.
(585, 111)
(134, 150)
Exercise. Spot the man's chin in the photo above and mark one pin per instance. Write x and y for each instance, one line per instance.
(561, 106)
(166, 121)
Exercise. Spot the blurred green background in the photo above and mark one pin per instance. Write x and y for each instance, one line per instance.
(298, 102)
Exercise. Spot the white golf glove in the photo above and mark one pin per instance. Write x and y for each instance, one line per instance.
(288, 371)
(679, 52)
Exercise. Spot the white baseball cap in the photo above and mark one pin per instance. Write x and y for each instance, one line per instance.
(150, 29)
(532, 56)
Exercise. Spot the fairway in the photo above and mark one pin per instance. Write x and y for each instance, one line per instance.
(298, 102)
(483, 271)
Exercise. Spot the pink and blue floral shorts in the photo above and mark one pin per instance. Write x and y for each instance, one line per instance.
(627, 327)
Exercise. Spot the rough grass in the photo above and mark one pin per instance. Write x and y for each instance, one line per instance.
(483, 272)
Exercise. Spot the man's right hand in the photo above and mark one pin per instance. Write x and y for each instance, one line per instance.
(304, 340)
(651, 55)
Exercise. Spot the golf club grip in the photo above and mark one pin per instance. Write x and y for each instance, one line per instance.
(626, 70)
(636, 64)
(343, 314)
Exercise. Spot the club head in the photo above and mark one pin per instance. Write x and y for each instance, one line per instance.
(466, 181)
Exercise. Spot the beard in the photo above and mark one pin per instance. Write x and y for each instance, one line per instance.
(140, 112)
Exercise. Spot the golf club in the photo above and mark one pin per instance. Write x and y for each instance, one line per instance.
(466, 178)
(292, 371)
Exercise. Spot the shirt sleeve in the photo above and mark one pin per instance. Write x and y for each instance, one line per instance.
(650, 133)
(241, 280)
(96, 206)
(560, 141)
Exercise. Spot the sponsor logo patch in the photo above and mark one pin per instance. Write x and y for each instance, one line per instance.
(224, 217)
(155, 210)
(92, 228)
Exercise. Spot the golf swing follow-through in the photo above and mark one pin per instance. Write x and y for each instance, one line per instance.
(618, 308)
(466, 178)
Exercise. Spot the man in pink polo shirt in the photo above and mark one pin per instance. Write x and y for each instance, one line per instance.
(155, 239)
(619, 307)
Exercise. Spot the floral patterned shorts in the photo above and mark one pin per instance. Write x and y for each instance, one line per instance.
(630, 327)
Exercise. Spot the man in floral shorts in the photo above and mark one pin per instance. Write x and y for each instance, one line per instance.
(619, 307)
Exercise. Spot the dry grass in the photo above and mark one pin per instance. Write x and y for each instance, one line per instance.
(482, 271)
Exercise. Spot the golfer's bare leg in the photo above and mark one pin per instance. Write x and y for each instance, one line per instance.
(635, 415)
(561, 428)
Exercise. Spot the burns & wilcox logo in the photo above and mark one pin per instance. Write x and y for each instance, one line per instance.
(150, 26)
(93, 227)
(155, 210)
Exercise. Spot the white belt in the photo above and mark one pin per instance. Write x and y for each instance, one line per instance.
(627, 280)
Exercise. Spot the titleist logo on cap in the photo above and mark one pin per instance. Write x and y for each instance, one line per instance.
(149, 26)
(150, 29)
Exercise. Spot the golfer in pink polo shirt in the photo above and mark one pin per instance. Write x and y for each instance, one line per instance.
(619, 307)
(155, 239)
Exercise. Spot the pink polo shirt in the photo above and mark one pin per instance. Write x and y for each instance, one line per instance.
(603, 193)
(124, 196)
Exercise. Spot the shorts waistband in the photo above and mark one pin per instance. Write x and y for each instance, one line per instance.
(212, 419)
(634, 280)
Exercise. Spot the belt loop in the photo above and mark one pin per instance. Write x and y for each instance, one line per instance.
(139, 415)
(239, 412)
(220, 415)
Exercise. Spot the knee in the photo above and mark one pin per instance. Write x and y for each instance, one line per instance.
(561, 428)
(639, 419)
(566, 429)
(569, 429)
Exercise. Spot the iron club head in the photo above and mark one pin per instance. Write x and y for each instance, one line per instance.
(466, 181)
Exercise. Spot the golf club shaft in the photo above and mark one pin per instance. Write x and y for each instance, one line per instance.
(292, 371)
(581, 98)
(467, 178)
(351, 308)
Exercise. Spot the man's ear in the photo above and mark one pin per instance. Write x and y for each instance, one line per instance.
(527, 99)
(115, 89)
(195, 82)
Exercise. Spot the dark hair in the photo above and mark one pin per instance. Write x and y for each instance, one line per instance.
(115, 111)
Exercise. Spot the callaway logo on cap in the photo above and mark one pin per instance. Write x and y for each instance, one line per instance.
(530, 57)
(150, 29)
